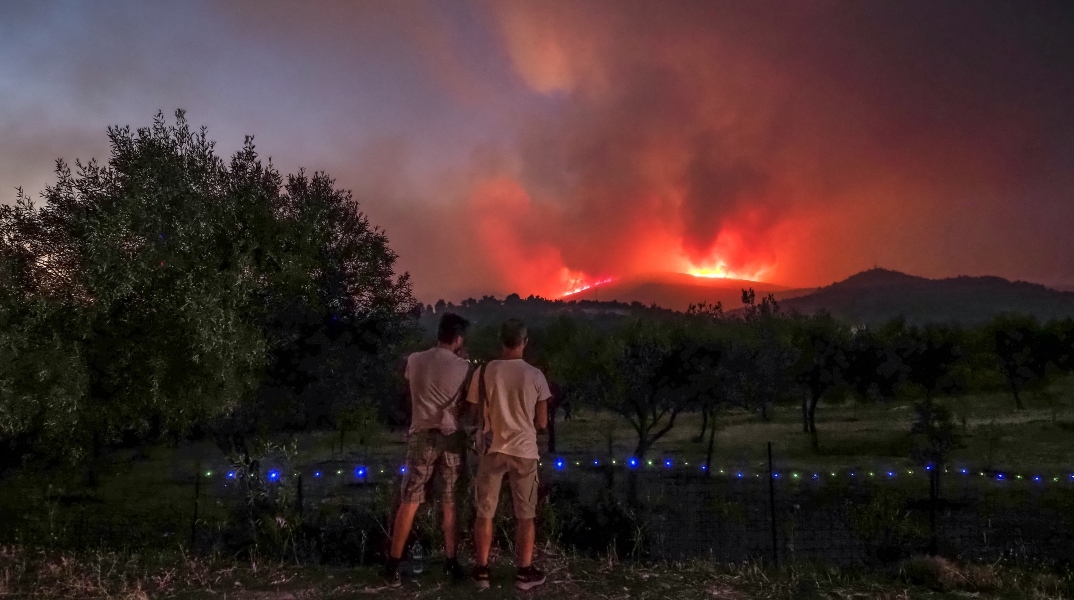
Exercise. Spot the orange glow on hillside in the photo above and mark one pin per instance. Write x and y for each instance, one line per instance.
(581, 287)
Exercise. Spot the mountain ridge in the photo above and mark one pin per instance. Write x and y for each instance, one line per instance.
(877, 295)
(868, 297)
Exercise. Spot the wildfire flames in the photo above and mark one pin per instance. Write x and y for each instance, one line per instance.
(586, 286)
(720, 271)
(579, 282)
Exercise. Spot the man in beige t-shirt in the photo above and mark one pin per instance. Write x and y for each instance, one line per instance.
(436, 445)
(516, 396)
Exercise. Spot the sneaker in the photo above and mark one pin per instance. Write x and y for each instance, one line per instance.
(452, 568)
(393, 578)
(391, 573)
(481, 576)
(528, 578)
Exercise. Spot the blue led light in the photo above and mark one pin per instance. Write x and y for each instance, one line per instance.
(776, 475)
(891, 473)
(560, 464)
(964, 471)
(928, 467)
(815, 476)
(231, 474)
(632, 462)
(596, 462)
(402, 470)
(667, 463)
(360, 472)
(740, 475)
(273, 475)
(999, 476)
(317, 474)
(704, 467)
(1036, 478)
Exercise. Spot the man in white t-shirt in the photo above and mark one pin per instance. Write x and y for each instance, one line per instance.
(436, 445)
(515, 398)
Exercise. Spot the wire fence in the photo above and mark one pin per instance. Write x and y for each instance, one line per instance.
(633, 509)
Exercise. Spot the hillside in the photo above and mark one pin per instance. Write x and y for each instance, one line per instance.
(879, 294)
(868, 297)
(677, 291)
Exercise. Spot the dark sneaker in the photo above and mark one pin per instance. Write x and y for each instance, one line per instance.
(452, 568)
(391, 573)
(393, 578)
(528, 578)
(481, 576)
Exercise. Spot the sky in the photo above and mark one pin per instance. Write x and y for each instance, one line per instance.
(534, 147)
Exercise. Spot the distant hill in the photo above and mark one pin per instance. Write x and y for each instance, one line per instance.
(877, 295)
(677, 291)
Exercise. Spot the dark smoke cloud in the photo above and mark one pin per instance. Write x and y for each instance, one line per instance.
(807, 141)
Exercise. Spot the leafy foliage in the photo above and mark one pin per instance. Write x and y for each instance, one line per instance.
(165, 279)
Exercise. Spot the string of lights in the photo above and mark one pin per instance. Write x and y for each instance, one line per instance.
(364, 473)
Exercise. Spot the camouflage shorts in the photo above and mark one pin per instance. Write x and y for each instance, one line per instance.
(432, 454)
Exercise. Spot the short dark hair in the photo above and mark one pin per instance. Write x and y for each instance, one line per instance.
(451, 327)
(512, 334)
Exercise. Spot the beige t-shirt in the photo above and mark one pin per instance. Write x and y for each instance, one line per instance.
(514, 388)
(436, 378)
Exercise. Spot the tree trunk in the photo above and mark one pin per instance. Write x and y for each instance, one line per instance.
(704, 423)
(708, 456)
(812, 422)
(644, 444)
(552, 408)
(1017, 397)
(805, 415)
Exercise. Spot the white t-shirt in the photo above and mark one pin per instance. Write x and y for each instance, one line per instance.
(514, 388)
(436, 378)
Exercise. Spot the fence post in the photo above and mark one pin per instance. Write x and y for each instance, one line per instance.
(708, 455)
(772, 508)
(934, 484)
(197, 496)
(298, 501)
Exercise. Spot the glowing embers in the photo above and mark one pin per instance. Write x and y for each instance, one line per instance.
(578, 287)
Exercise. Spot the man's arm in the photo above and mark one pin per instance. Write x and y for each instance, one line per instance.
(540, 416)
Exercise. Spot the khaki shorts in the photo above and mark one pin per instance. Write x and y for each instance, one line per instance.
(432, 454)
(521, 472)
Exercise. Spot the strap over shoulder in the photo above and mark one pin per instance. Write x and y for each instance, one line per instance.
(485, 433)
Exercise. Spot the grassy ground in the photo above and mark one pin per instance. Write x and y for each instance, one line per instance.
(850, 434)
(38, 575)
(995, 436)
(1041, 437)
(148, 485)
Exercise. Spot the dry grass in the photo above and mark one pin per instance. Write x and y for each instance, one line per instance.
(25, 574)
